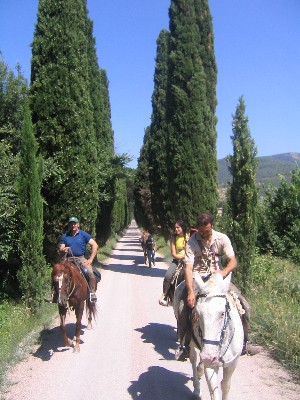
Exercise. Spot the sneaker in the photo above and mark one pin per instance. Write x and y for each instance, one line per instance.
(93, 297)
(181, 354)
(49, 299)
(163, 301)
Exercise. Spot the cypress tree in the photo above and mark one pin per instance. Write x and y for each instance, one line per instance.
(13, 94)
(207, 55)
(109, 165)
(33, 275)
(242, 194)
(192, 164)
(157, 146)
(142, 195)
(62, 113)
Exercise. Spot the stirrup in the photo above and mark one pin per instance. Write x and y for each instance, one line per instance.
(93, 297)
(163, 301)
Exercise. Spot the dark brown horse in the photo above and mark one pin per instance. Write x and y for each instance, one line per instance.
(71, 289)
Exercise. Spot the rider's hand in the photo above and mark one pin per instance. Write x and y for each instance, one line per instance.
(66, 249)
(87, 262)
(191, 300)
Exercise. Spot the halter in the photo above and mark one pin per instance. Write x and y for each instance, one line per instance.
(225, 325)
(226, 320)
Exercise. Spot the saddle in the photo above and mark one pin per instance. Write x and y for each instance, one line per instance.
(96, 272)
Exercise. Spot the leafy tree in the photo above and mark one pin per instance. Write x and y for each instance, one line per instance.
(192, 163)
(157, 146)
(279, 219)
(242, 194)
(13, 92)
(33, 274)
(62, 113)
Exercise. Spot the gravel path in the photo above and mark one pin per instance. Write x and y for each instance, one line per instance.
(130, 352)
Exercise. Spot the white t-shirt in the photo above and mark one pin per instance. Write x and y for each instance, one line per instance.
(206, 257)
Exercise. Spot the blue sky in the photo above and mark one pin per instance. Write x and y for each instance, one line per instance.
(257, 52)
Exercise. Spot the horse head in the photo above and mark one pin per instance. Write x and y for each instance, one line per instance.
(62, 282)
(214, 324)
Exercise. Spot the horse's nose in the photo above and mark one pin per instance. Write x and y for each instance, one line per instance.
(208, 359)
(62, 301)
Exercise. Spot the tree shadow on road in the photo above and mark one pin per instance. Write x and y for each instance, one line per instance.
(160, 383)
(137, 267)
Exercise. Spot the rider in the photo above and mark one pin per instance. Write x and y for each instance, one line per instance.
(143, 239)
(203, 255)
(73, 244)
(178, 242)
(151, 248)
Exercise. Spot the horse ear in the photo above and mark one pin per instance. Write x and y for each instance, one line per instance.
(226, 283)
(199, 282)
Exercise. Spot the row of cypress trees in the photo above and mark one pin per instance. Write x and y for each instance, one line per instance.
(65, 150)
(179, 152)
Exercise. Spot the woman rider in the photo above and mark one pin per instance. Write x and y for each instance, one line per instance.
(178, 242)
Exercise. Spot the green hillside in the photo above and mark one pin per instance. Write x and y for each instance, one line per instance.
(269, 169)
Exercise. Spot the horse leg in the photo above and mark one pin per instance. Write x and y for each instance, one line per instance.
(211, 375)
(78, 313)
(62, 314)
(91, 306)
(226, 381)
(196, 375)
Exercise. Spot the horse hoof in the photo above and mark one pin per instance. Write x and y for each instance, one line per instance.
(76, 350)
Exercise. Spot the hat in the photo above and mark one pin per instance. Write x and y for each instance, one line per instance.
(73, 219)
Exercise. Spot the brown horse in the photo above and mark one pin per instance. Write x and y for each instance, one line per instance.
(72, 291)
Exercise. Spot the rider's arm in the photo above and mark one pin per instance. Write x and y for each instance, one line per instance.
(188, 275)
(94, 247)
(228, 252)
(231, 265)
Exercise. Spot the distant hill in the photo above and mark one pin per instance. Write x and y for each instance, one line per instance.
(269, 169)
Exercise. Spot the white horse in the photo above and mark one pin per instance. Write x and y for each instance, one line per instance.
(217, 334)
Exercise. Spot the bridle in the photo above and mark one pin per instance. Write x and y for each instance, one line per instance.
(219, 342)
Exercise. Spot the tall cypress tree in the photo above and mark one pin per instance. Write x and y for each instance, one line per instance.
(13, 95)
(242, 194)
(192, 164)
(33, 274)
(142, 195)
(109, 167)
(62, 113)
(157, 146)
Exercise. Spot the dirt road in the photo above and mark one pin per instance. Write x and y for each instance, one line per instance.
(130, 352)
